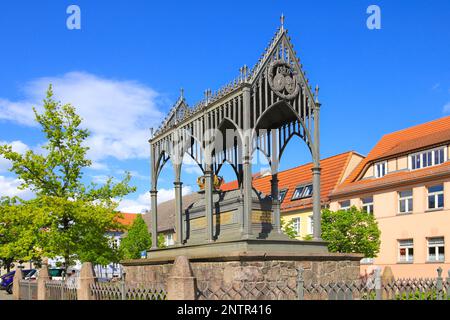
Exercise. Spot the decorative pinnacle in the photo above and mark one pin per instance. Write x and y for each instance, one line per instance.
(282, 21)
(317, 93)
(181, 93)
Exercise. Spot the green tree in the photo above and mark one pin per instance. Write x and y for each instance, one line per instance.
(288, 228)
(136, 240)
(19, 229)
(74, 218)
(351, 231)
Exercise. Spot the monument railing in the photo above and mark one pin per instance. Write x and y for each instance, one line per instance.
(59, 290)
(122, 291)
(28, 290)
(371, 288)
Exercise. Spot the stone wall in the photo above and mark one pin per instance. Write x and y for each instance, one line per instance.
(220, 274)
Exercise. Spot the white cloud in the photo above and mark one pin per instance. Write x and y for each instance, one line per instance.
(143, 201)
(100, 166)
(17, 146)
(117, 113)
(9, 188)
(446, 108)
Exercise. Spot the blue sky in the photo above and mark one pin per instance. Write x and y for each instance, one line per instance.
(124, 68)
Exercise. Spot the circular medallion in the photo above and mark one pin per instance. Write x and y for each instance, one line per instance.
(278, 82)
(283, 79)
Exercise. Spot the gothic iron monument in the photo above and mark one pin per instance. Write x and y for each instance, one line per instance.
(260, 110)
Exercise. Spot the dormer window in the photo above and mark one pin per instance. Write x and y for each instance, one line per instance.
(427, 158)
(303, 192)
(380, 169)
(282, 195)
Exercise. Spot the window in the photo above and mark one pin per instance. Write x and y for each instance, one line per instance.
(303, 192)
(345, 205)
(436, 197)
(380, 169)
(296, 224)
(406, 250)
(427, 158)
(169, 239)
(282, 194)
(310, 225)
(367, 204)
(405, 201)
(436, 249)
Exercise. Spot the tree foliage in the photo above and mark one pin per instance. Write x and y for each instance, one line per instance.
(137, 239)
(19, 230)
(72, 217)
(288, 228)
(351, 231)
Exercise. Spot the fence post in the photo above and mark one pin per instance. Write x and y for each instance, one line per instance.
(300, 284)
(122, 287)
(439, 284)
(386, 278)
(378, 290)
(41, 281)
(18, 275)
(87, 277)
(181, 284)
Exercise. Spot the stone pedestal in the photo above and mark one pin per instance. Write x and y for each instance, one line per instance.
(16, 283)
(42, 279)
(87, 277)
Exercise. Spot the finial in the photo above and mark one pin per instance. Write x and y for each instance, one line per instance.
(282, 21)
(317, 94)
(181, 93)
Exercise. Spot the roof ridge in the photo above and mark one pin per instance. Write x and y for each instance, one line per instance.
(415, 126)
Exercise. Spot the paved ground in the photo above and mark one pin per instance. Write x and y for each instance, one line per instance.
(5, 296)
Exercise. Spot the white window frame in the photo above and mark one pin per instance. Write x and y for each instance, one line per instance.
(310, 225)
(302, 192)
(376, 168)
(400, 198)
(296, 224)
(368, 204)
(433, 158)
(407, 247)
(436, 195)
(436, 248)
(169, 240)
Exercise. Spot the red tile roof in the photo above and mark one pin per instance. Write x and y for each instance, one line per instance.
(127, 218)
(332, 170)
(423, 136)
(396, 143)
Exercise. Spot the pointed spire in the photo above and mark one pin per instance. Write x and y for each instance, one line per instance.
(317, 94)
(181, 93)
(282, 21)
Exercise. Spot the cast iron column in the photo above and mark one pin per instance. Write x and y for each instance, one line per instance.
(316, 176)
(153, 195)
(179, 212)
(275, 203)
(209, 185)
(247, 166)
(274, 182)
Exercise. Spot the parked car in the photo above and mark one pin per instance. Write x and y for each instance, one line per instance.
(6, 281)
(56, 273)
